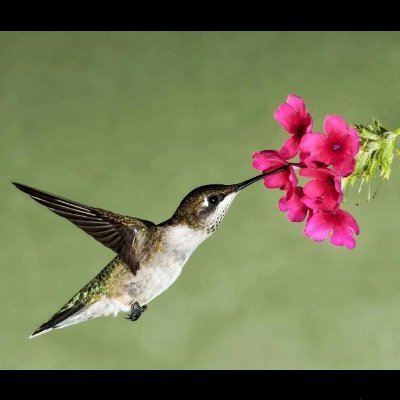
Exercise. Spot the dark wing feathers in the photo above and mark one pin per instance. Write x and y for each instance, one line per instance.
(113, 230)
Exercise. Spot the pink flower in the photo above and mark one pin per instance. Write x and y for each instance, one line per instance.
(326, 159)
(339, 147)
(295, 119)
(344, 226)
(292, 203)
(324, 192)
(268, 160)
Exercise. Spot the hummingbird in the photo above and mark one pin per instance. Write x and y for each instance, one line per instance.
(149, 257)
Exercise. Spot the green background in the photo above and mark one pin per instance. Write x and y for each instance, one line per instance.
(131, 122)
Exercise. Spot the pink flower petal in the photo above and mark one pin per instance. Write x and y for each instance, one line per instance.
(267, 159)
(344, 225)
(318, 227)
(343, 144)
(259, 161)
(293, 116)
(338, 187)
(342, 236)
(298, 104)
(353, 141)
(324, 193)
(288, 118)
(315, 144)
(303, 155)
(290, 147)
(335, 125)
(292, 177)
(349, 220)
(344, 164)
(314, 188)
(276, 181)
(340, 222)
(297, 211)
(330, 203)
(282, 180)
(319, 173)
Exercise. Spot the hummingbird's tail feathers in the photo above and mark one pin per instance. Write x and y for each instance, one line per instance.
(90, 302)
(58, 320)
(75, 315)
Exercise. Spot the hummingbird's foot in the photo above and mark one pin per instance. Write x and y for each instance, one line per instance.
(136, 312)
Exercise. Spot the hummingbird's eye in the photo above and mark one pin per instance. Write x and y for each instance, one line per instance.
(213, 200)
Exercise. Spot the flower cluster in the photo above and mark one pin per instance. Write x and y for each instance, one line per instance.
(324, 158)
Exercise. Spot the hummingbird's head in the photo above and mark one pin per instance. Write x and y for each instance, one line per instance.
(205, 207)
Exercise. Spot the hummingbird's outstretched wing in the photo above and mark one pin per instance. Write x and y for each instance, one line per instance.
(115, 231)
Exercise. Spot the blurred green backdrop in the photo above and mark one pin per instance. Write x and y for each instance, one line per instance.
(131, 122)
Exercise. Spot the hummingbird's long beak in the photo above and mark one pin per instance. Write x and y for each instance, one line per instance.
(244, 184)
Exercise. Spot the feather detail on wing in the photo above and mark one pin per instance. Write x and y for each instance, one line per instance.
(115, 231)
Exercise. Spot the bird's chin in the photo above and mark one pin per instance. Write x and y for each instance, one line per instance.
(216, 218)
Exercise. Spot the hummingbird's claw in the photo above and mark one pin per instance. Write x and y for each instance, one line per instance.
(136, 312)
